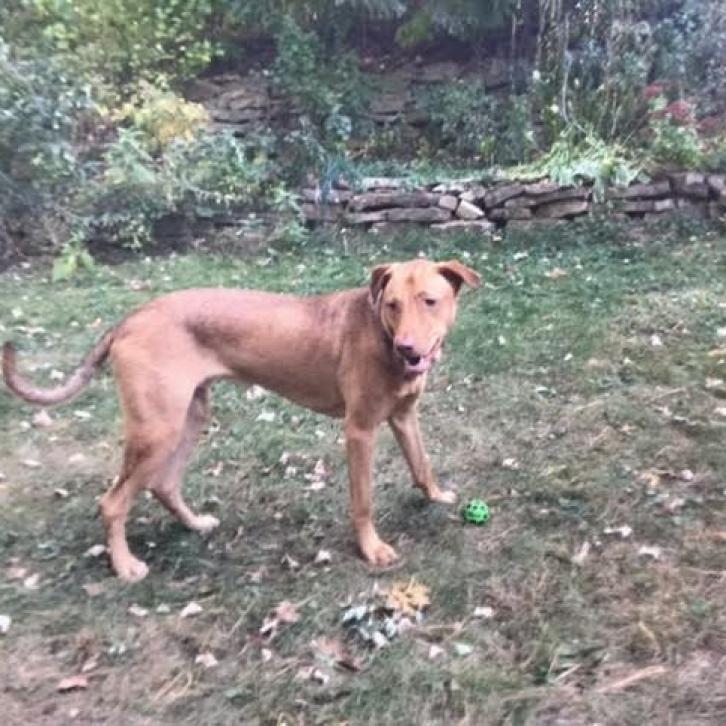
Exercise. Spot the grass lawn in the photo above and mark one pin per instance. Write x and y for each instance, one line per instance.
(582, 395)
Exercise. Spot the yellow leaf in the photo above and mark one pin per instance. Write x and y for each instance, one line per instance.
(408, 597)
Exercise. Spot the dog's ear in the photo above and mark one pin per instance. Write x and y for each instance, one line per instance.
(458, 274)
(380, 275)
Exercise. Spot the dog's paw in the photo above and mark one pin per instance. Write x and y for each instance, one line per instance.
(204, 523)
(378, 553)
(129, 569)
(445, 496)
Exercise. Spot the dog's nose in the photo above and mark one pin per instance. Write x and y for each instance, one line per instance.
(404, 345)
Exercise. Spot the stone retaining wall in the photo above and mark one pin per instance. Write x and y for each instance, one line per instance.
(243, 103)
(384, 204)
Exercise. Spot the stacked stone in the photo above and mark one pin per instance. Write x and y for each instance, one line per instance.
(384, 204)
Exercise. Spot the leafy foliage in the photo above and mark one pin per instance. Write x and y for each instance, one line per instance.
(162, 116)
(201, 175)
(469, 122)
(96, 136)
(121, 41)
(574, 159)
(42, 114)
(330, 92)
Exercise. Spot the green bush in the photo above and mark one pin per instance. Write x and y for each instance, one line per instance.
(329, 91)
(671, 143)
(579, 156)
(464, 120)
(45, 124)
(120, 42)
(162, 116)
(198, 176)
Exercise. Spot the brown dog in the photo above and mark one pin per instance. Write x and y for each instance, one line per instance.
(359, 354)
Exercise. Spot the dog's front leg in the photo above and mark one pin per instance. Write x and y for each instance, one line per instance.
(405, 426)
(360, 444)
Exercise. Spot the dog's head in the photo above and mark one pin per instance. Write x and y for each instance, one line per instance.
(416, 302)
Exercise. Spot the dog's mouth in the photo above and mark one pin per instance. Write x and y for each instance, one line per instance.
(415, 364)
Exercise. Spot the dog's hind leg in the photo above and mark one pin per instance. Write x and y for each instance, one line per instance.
(155, 424)
(167, 488)
(145, 457)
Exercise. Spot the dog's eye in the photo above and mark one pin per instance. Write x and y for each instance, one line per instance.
(430, 301)
(392, 305)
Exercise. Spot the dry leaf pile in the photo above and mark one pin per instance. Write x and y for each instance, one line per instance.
(381, 619)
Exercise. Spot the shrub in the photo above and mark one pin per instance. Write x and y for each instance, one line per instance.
(579, 156)
(463, 118)
(162, 116)
(330, 92)
(43, 117)
(120, 41)
(201, 176)
(468, 122)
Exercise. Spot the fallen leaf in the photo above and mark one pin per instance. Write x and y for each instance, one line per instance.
(255, 392)
(5, 623)
(290, 562)
(266, 416)
(93, 589)
(721, 411)
(650, 478)
(16, 573)
(77, 458)
(686, 475)
(190, 610)
(216, 470)
(408, 597)
(96, 551)
(32, 582)
(625, 531)
(256, 576)
(656, 341)
(163, 609)
(137, 611)
(323, 557)
(556, 274)
(581, 555)
(72, 683)
(435, 651)
(320, 676)
(284, 614)
(265, 654)
(333, 650)
(207, 660)
(462, 649)
(674, 504)
(653, 551)
(42, 419)
(379, 640)
(90, 665)
(61, 493)
(31, 463)
(510, 463)
(485, 612)
(82, 415)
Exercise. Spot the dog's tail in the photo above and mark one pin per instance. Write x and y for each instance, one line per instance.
(75, 383)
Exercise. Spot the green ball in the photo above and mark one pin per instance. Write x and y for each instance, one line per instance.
(476, 512)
